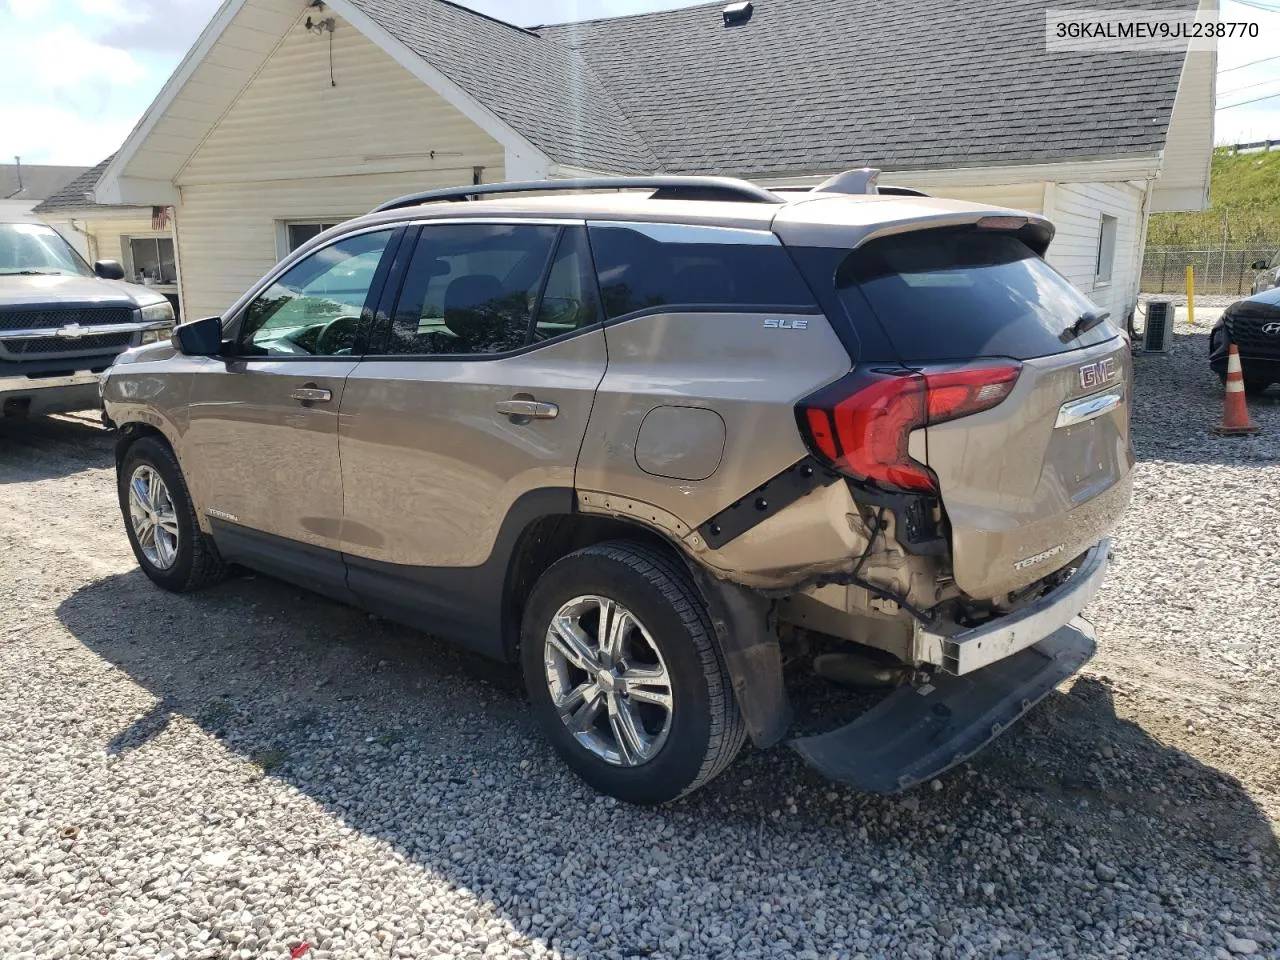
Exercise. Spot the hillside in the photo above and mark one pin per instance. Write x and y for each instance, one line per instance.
(1246, 188)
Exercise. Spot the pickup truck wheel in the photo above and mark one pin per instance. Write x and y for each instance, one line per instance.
(161, 521)
(624, 676)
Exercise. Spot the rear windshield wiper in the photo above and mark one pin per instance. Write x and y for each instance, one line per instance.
(1084, 323)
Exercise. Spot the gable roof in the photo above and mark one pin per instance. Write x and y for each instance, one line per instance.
(813, 85)
(806, 86)
(546, 90)
(76, 194)
(38, 180)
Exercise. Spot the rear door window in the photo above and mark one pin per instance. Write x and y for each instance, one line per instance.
(958, 294)
(471, 288)
(643, 266)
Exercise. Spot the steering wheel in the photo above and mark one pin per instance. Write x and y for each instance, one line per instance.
(337, 335)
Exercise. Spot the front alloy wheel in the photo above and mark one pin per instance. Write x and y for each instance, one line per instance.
(154, 518)
(608, 681)
(160, 519)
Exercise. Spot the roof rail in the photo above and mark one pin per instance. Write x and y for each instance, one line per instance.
(664, 188)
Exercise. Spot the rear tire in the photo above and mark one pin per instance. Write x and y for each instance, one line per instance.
(660, 753)
(160, 520)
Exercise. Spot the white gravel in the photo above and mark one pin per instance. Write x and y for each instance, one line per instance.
(241, 772)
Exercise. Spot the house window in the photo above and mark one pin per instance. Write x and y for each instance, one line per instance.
(296, 234)
(151, 260)
(1106, 249)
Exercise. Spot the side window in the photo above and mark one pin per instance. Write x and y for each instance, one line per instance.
(470, 288)
(1106, 248)
(569, 300)
(641, 266)
(314, 308)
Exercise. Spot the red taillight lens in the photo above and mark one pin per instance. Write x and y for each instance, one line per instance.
(862, 424)
(958, 393)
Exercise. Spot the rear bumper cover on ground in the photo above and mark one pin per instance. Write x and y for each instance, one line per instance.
(989, 677)
(918, 732)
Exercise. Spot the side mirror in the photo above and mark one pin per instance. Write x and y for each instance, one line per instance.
(199, 338)
(109, 270)
(1258, 265)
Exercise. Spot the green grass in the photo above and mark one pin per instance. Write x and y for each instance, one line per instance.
(1245, 192)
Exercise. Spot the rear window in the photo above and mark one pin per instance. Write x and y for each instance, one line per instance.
(642, 266)
(958, 294)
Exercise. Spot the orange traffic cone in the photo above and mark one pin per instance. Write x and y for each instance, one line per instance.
(1235, 415)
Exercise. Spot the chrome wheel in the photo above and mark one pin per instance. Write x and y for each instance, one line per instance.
(154, 517)
(608, 681)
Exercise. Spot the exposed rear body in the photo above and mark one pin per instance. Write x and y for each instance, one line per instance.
(648, 442)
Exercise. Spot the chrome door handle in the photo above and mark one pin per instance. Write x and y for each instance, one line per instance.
(312, 395)
(531, 409)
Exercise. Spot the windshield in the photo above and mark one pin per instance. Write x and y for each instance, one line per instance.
(28, 249)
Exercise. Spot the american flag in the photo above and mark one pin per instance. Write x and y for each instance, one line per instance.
(159, 218)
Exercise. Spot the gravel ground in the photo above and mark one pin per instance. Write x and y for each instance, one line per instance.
(251, 771)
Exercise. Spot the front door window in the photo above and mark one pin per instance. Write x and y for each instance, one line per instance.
(314, 308)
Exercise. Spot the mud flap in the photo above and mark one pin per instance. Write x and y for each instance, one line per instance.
(916, 733)
(752, 654)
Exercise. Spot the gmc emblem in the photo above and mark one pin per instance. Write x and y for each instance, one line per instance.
(1098, 374)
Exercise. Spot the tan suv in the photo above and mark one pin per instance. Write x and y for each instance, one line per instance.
(655, 441)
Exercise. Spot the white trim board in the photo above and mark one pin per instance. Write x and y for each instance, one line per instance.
(115, 187)
(111, 186)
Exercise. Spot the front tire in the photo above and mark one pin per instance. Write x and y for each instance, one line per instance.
(160, 520)
(624, 676)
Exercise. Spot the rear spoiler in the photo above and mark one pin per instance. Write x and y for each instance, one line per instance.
(831, 223)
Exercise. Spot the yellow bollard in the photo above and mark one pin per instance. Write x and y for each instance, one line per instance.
(1191, 294)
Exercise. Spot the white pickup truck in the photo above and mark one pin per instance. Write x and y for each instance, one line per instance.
(62, 322)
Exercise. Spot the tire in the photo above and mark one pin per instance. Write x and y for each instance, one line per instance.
(194, 561)
(668, 632)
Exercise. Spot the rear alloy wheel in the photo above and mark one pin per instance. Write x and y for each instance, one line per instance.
(608, 681)
(624, 676)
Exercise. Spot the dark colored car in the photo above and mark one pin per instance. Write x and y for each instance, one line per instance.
(1253, 325)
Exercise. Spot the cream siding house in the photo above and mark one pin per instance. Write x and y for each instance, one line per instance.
(287, 116)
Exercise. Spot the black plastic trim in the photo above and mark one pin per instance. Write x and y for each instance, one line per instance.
(798, 480)
(467, 605)
(314, 568)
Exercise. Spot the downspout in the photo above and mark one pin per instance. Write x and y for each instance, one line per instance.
(177, 260)
(1142, 255)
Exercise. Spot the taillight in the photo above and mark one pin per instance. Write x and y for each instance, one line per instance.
(862, 424)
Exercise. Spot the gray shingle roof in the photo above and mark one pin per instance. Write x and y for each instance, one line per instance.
(544, 90)
(812, 85)
(76, 194)
(38, 180)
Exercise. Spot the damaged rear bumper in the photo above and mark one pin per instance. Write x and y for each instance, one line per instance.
(959, 651)
(918, 732)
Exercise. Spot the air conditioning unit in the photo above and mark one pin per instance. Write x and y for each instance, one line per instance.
(1157, 337)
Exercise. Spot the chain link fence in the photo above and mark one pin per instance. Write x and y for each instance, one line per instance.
(1222, 270)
